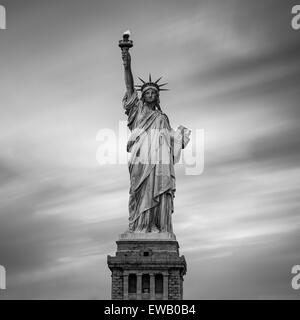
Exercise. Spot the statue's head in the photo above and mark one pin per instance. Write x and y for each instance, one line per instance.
(150, 96)
(150, 91)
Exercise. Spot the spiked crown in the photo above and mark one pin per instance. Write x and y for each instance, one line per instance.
(150, 85)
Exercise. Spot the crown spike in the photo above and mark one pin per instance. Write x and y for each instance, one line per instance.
(157, 80)
(163, 84)
(142, 80)
(144, 85)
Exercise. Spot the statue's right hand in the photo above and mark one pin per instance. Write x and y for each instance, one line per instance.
(126, 58)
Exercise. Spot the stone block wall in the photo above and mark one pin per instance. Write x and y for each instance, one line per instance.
(175, 285)
(117, 285)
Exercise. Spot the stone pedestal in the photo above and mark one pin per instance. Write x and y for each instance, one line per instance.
(147, 266)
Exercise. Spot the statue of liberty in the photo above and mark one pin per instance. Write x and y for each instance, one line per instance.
(154, 149)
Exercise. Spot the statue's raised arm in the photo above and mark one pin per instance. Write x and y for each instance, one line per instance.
(127, 72)
(125, 44)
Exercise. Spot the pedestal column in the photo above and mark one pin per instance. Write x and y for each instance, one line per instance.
(139, 286)
(152, 286)
(165, 287)
(125, 285)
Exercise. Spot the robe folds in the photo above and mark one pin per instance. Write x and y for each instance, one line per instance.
(153, 147)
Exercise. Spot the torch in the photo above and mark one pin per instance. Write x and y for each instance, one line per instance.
(125, 43)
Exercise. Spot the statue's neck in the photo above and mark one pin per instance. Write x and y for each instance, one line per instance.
(151, 105)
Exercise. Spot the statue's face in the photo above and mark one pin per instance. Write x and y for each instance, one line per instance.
(150, 95)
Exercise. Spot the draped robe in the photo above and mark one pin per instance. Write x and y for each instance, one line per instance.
(151, 167)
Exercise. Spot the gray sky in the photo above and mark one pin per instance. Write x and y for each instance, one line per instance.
(233, 68)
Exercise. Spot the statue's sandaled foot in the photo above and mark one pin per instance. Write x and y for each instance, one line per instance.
(154, 229)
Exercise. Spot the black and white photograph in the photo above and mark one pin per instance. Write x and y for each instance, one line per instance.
(149, 150)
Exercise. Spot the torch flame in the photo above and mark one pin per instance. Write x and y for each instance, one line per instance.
(127, 33)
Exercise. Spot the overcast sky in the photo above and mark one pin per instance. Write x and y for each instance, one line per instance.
(233, 68)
